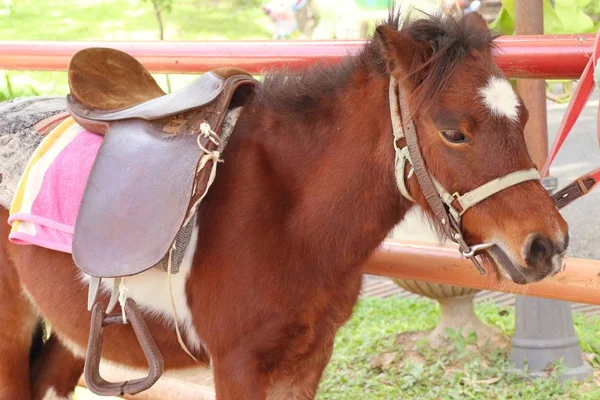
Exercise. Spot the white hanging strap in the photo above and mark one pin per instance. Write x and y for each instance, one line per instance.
(395, 112)
(207, 132)
(402, 154)
(402, 157)
(123, 295)
(210, 156)
(114, 295)
(175, 317)
(94, 287)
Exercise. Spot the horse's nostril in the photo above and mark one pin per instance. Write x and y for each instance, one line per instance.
(540, 251)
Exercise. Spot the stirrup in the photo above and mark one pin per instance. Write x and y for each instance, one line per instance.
(91, 372)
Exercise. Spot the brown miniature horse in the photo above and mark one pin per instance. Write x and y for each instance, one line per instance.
(307, 192)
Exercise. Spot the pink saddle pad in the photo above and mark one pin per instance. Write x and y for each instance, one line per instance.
(45, 206)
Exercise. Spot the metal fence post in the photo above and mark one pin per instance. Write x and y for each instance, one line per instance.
(544, 334)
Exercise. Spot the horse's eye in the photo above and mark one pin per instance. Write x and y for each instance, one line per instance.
(454, 136)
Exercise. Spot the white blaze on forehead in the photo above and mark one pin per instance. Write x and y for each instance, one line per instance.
(499, 96)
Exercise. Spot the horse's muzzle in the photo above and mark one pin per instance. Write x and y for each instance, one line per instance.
(543, 259)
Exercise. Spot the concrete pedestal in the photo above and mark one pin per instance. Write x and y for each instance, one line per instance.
(544, 333)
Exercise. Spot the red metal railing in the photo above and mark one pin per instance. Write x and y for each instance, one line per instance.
(561, 56)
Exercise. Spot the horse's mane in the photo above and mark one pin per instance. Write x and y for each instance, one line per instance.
(451, 39)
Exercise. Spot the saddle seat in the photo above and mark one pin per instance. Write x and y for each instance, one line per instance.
(155, 162)
(109, 85)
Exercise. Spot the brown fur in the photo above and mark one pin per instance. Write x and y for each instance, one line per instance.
(55, 368)
(307, 192)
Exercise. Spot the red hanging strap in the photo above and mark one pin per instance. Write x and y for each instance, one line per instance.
(583, 91)
(580, 97)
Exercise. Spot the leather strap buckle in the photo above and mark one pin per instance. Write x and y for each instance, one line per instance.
(582, 186)
(467, 251)
(456, 204)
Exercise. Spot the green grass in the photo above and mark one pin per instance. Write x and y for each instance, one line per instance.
(116, 20)
(455, 374)
(131, 20)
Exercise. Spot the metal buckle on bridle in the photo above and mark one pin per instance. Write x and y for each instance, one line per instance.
(476, 248)
(471, 252)
(468, 252)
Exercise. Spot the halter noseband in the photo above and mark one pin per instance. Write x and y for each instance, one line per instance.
(448, 208)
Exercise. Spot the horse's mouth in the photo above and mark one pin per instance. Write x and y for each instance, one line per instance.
(519, 274)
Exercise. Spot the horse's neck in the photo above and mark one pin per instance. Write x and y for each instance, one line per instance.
(333, 169)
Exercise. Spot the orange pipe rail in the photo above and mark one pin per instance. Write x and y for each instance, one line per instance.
(578, 282)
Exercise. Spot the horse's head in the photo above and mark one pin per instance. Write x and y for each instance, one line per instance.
(470, 124)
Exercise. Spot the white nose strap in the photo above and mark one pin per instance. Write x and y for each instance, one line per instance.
(458, 204)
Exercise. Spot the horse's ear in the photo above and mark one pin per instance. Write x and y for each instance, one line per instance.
(475, 19)
(403, 54)
(474, 22)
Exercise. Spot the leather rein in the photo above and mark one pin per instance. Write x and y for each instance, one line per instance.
(447, 208)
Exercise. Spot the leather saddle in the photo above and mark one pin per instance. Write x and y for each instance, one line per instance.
(146, 178)
(155, 164)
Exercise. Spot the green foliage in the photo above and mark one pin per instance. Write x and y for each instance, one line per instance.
(593, 9)
(14, 85)
(248, 3)
(163, 5)
(133, 20)
(420, 372)
(372, 4)
(567, 16)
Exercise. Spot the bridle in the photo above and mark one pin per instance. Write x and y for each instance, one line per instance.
(447, 208)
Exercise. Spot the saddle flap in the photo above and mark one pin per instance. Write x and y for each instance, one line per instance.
(136, 199)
